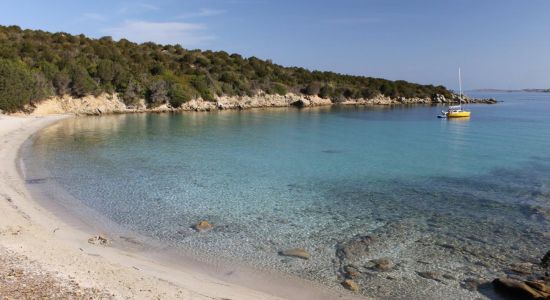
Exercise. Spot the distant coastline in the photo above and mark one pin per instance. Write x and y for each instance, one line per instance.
(512, 91)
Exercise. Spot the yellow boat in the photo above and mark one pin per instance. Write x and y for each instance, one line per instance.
(457, 112)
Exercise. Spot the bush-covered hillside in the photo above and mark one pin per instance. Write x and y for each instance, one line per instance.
(35, 64)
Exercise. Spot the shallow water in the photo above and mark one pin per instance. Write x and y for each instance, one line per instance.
(313, 178)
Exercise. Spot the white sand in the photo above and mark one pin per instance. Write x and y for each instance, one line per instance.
(30, 231)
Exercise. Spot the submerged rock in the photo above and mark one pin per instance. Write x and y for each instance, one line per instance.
(545, 261)
(350, 285)
(383, 264)
(520, 290)
(354, 249)
(524, 268)
(351, 271)
(540, 286)
(203, 226)
(360, 250)
(98, 240)
(296, 252)
(472, 284)
(434, 275)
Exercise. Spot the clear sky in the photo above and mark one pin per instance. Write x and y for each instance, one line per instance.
(498, 43)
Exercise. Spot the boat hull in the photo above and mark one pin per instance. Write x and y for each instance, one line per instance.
(458, 114)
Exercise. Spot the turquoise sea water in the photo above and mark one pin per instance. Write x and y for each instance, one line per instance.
(282, 178)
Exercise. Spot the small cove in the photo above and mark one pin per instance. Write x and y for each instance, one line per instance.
(270, 180)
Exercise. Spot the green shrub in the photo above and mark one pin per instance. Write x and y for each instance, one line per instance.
(16, 85)
(178, 94)
(326, 91)
(312, 88)
(60, 63)
(82, 83)
(279, 88)
(133, 93)
(201, 86)
(157, 93)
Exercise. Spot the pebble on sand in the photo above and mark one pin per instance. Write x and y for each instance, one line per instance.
(296, 252)
(98, 240)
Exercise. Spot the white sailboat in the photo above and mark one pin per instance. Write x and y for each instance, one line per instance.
(456, 111)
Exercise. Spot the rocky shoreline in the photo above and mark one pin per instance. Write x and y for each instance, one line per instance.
(401, 260)
(107, 103)
(366, 262)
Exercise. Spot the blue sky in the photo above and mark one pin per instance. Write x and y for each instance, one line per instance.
(498, 44)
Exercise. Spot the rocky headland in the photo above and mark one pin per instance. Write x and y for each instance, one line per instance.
(112, 103)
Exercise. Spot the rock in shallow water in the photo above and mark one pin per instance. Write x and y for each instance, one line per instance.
(524, 268)
(354, 249)
(296, 252)
(350, 285)
(203, 226)
(472, 284)
(383, 264)
(518, 289)
(545, 261)
(351, 271)
(539, 285)
(431, 275)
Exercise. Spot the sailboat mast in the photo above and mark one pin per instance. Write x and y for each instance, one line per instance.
(460, 87)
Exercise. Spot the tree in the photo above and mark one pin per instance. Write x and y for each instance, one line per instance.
(133, 93)
(41, 87)
(325, 91)
(48, 69)
(105, 71)
(16, 85)
(312, 88)
(61, 83)
(201, 86)
(81, 82)
(157, 93)
(388, 89)
(157, 69)
(279, 88)
(122, 77)
(369, 93)
(178, 94)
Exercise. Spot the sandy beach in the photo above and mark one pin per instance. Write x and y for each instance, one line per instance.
(43, 256)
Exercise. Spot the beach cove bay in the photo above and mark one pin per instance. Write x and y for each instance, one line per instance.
(402, 199)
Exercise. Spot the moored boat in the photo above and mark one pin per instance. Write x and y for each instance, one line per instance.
(456, 111)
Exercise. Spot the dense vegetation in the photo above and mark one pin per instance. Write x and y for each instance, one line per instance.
(35, 64)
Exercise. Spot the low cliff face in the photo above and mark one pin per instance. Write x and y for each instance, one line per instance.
(106, 103)
(89, 105)
(260, 100)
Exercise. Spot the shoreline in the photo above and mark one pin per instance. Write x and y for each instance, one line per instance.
(470, 280)
(113, 104)
(32, 231)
